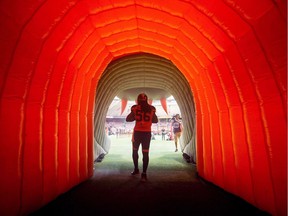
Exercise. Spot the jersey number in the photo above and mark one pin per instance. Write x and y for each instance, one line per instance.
(142, 116)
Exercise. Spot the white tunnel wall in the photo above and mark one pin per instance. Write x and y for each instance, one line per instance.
(149, 71)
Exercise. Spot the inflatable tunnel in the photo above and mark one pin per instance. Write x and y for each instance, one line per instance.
(232, 54)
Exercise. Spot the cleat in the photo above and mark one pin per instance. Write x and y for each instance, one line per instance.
(135, 172)
(143, 177)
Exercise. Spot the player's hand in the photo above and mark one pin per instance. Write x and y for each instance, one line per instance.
(133, 108)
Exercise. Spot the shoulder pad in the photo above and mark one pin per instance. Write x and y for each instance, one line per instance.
(153, 108)
(133, 107)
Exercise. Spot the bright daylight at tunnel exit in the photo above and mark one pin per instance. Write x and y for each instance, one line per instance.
(116, 115)
(117, 126)
(64, 62)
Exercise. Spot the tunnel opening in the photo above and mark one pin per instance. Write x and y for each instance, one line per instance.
(128, 76)
(119, 130)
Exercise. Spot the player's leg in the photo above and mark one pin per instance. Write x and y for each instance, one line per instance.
(176, 138)
(145, 152)
(135, 156)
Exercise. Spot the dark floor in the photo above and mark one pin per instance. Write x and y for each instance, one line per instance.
(173, 188)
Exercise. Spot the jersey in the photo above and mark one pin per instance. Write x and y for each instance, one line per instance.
(143, 119)
(176, 126)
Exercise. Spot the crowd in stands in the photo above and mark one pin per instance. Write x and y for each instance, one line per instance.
(120, 127)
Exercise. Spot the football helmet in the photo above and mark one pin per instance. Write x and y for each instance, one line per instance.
(142, 97)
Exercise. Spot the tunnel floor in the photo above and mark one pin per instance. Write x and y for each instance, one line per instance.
(173, 188)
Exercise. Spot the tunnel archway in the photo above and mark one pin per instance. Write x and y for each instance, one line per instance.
(140, 71)
(232, 53)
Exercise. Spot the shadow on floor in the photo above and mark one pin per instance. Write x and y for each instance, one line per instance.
(173, 188)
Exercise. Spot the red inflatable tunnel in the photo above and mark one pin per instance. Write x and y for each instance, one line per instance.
(232, 53)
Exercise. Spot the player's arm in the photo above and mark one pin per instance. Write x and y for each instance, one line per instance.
(131, 115)
(154, 117)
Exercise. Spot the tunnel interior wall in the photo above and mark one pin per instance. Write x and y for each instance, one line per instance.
(232, 53)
